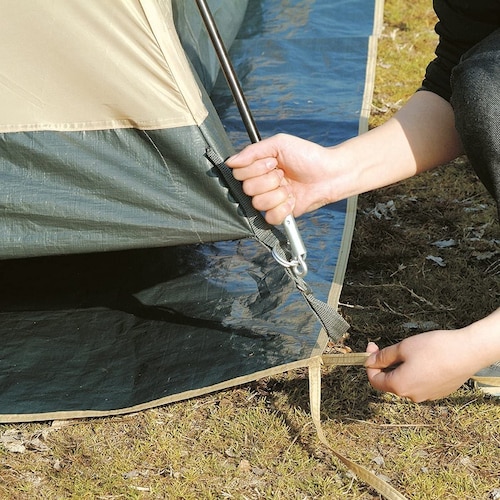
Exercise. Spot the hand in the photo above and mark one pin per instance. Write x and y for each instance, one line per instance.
(428, 366)
(283, 175)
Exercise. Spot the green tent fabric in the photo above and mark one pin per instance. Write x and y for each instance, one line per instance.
(132, 277)
(99, 110)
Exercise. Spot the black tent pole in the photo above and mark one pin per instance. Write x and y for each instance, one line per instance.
(228, 70)
(297, 247)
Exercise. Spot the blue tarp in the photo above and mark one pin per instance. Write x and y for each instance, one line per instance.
(120, 331)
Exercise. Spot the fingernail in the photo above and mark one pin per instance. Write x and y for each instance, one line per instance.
(271, 164)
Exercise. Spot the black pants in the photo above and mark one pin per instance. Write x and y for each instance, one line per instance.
(476, 103)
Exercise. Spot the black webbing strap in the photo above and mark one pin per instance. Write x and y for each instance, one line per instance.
(333, 323)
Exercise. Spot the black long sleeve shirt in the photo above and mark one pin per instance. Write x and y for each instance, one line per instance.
(462, 24)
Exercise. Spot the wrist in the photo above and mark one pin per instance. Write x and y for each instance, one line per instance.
(344, 176)
(369, 161)
(483, 340)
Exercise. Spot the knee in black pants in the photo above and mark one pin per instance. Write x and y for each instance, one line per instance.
(476, 102)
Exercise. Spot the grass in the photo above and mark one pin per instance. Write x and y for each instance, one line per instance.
(257, 441)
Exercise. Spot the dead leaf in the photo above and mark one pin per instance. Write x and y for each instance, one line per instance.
(231, 453)
(383, 210)
(36, 444)
(437, 260)
(132, 474)
(484, 255)
(13, 441)
(244, 466)
(444, 243)
(495, 494)
(420, 325)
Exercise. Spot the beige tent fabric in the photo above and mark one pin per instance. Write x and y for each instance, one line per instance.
(92, 65)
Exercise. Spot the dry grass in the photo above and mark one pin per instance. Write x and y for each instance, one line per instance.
(257, 441)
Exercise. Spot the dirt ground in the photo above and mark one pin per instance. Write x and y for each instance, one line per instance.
(425, 255)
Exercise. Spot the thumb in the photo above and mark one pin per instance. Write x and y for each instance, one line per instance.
(253, 152)
(372, 349)
(389, 357)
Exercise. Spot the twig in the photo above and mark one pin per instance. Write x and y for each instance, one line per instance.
(421, 299)
(493, 268)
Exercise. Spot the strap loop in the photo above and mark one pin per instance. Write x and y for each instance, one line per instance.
(368, 477)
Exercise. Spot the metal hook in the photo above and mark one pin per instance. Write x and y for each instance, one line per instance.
(298, 265)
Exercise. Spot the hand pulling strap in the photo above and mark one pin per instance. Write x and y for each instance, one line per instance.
(275, 241)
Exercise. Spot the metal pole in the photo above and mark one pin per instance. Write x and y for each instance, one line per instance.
(297, 247)
(228, 70)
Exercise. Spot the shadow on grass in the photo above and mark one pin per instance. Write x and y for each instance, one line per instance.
(348, 399)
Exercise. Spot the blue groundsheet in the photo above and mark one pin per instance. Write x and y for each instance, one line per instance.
(102, 333)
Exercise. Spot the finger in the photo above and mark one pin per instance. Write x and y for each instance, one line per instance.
(265, 183)
(381, 380)
(278, 214)
(279, 199)
(385, 358)
(372, 347)
(259, 167)
(262, 149)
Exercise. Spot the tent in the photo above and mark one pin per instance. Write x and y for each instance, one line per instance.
(134, 270)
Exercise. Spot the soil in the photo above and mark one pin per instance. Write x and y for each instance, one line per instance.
(425, 255)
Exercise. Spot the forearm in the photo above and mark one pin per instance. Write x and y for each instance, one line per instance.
(284, 173)
(419, 137)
